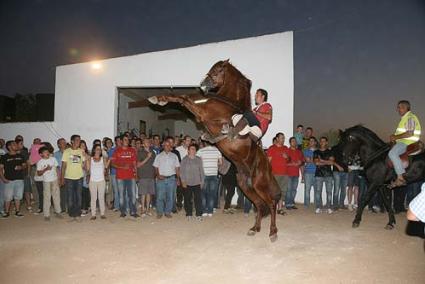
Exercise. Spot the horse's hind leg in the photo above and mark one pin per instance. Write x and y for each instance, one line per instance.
(386, 197)
(259, 204)
(273, 227)
(264, 194)
(363, 202)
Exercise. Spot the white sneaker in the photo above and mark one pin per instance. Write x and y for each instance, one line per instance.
(317, 211)
(350, 207)
(236, 118)
(355, 207)
(330, 211)
(209, 215)
(204, 214)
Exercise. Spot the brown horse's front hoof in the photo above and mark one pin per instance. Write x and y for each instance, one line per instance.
(389, 227)
(251, 232)
(273, 238)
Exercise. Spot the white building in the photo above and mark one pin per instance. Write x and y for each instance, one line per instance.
(91, 98)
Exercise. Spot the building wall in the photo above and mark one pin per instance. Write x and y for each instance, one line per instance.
(187, 127)
(86, 99)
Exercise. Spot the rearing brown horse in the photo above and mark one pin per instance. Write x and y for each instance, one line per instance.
(231, 94)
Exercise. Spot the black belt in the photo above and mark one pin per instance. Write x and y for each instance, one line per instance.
(170, 176)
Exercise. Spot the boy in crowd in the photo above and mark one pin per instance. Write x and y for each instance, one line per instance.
(47, 167)
(299, 136)
(324, 160)
(12, 166)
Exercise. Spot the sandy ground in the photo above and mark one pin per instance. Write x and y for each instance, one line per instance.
(311, 248)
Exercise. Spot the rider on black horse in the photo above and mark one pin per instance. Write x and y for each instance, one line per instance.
(408, 132)
(257, 120)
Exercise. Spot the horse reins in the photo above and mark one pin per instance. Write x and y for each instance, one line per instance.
(376, 155)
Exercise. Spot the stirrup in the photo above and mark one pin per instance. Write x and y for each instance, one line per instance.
(397, 183)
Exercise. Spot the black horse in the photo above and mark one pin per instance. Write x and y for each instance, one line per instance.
(373, 153)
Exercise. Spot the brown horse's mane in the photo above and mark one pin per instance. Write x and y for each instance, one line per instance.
(243, 97)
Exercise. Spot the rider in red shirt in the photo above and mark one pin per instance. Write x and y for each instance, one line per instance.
(258, 119)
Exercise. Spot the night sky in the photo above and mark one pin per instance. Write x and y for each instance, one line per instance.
(353, 60)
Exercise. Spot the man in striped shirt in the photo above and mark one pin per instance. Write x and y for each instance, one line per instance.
(211, 159)
(417, 207)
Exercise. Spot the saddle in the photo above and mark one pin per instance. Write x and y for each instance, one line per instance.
(412, 150)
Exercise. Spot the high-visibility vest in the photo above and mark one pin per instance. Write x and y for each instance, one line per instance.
(402, 129)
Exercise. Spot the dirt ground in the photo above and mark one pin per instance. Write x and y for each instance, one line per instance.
(311, 248)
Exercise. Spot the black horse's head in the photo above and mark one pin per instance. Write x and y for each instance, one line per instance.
(356, 139)
(349, 144)
(215, 78)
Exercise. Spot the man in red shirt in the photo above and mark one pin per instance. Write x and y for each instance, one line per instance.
(295, 160)
(258, 119)
(278, 159)
(124, 160)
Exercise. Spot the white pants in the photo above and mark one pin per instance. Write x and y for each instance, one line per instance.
(97, 191)
(51, 190)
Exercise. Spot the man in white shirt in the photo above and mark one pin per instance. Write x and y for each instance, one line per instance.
(167, 172)
(47, 169)
(211, 159)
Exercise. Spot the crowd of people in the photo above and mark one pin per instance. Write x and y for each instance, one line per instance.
(136, 175)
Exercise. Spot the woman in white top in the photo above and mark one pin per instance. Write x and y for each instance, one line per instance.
(96, 168)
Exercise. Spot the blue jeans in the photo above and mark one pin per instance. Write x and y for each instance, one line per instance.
(164, 195)
(247, 205)
(309, 182)
(114, 185)
(318, 191)
(209, 193)
(340, 189)
(394, 154)
(74, 188)
(292, 192)
(1, 197)
(125, 189)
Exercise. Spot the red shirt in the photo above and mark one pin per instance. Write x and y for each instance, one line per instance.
(295, 155)
(278, 162)
(125, 157)
(263, 108)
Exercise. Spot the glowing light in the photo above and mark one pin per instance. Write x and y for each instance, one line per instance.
(96, 65)
(73, 52)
